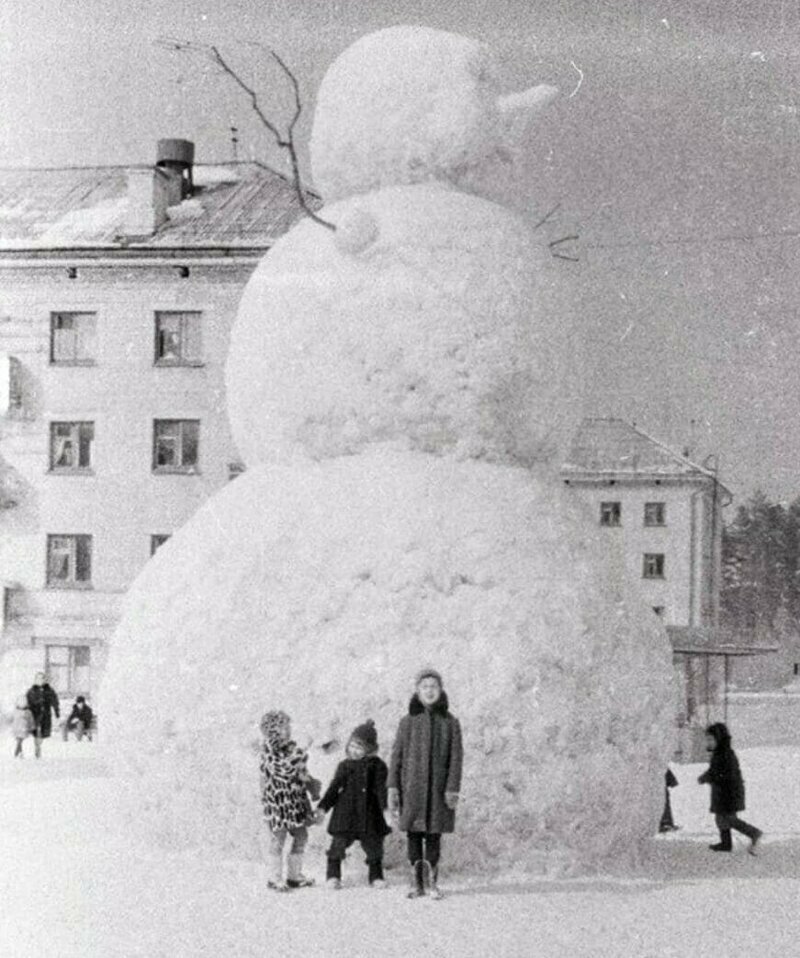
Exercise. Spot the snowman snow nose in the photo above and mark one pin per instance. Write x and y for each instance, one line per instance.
(518, 110)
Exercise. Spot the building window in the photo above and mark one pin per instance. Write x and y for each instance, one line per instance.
(68, 668)
(235, 469)
(655, 513)
(156, 541)
(653, 565)
(610, 513)
(72, 338)
(69, 561)
(175, 444)
(659, 611)
(178, 339)
(71, 446)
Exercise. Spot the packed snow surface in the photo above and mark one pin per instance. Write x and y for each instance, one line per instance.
(320, 589)
(100, 894)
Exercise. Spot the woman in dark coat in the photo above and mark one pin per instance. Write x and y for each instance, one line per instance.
(727, 789)
(425, 776)
(41, 700)
(357, 796)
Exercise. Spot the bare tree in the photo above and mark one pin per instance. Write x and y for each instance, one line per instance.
(284, 141)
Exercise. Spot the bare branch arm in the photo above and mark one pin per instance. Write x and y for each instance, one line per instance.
(212, 53)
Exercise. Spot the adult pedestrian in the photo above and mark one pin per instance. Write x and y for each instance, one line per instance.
(42, 701)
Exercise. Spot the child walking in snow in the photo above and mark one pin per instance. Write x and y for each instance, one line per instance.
(23, 724)
(425, 777)
(727, 790)
(357, 796)
(285, 788)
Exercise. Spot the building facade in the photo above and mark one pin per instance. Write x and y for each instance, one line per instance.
(661, 512)
(118, 290)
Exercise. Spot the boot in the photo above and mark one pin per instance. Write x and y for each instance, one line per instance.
(433, 874)
(756, 838)
(418, 887)
(724, 844)
(375, 876)
(295, 877)
(275, 866)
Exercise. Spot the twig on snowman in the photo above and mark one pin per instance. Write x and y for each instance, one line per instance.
(212, 53)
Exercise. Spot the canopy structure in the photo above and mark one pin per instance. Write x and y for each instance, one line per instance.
(706, 643)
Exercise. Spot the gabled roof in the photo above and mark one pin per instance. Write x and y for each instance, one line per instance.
(606, 448)
(234, 204)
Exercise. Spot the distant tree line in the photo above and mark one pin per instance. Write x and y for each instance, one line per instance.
(760, 591)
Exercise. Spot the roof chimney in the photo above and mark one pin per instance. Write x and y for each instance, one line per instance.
(151, 190)
(177, 155)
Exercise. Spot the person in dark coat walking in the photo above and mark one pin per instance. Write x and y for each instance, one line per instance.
(42, 701)
(79, 720)
(357, 796)
(425, 777)
(727, 789)
(667, 823)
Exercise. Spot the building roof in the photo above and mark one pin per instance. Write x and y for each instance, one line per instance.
(234, 205)
(709, 641)
(613, 448)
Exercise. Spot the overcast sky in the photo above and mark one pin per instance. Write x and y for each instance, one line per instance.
(673, 151)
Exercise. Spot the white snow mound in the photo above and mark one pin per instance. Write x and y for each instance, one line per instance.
(320, 589)
(436, 334)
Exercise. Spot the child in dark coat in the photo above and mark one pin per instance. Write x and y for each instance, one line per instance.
(357, 796)
(727, 789)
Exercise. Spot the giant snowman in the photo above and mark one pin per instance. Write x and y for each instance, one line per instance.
(396, 389)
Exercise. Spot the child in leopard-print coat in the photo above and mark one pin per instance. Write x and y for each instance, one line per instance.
(285, 788)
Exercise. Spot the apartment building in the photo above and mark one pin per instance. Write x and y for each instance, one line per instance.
(118, 289)
(661, 512)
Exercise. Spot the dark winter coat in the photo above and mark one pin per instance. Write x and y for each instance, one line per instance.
(426, 763)
(357, 796)
(80, 713)
(725, 778)
(41, 699)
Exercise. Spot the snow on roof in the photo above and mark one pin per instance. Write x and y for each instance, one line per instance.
(613, 446)
(243, 204)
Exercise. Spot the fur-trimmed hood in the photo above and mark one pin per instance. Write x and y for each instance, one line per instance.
(440, 707)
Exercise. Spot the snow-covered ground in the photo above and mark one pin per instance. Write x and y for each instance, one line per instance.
(73, 886)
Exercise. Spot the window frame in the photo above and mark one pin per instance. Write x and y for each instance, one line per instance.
(661, 508)
(71, 666)
(77, 425)
(616, 513)
(183, 316)
(659, 563)
(181, 468)
(75, 360)
(73, 582)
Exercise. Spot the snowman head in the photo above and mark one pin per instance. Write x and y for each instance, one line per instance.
(411, 105)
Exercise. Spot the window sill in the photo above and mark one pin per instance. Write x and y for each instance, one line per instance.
(176, 471)
(73, 362)
(69, 586)
(172, 363)
(656, 578)
(70, 471)
(655, 525)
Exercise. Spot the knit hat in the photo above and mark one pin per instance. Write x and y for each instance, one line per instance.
(429, 673)
(367, 735)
